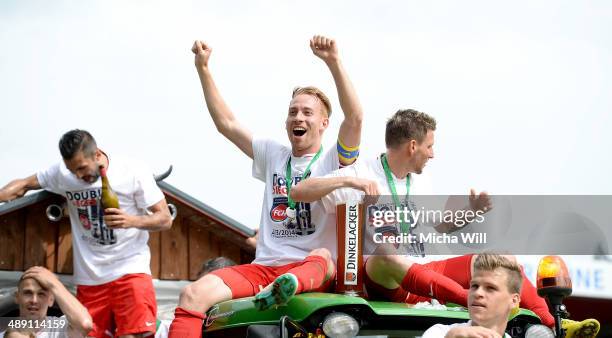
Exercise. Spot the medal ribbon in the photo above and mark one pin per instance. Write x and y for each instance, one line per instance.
(391, 183)
(289, 179)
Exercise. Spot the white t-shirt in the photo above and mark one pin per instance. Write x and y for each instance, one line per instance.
(280, 243)
(101, 254)
(440, 330)
(58, 328)
(372, 169)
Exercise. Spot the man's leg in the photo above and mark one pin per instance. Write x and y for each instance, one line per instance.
(133, 305)
(532, 301)
(96, 298)
(316, 269)
(195, 299)
(220, 285)
(415, 281)
(314, 273)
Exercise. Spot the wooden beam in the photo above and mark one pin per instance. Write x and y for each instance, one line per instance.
(199, 249)
(64, 247)
(230, 250)
(40, 238)
(222, 231)
(174, 245)
(155, 247)
(12, 240)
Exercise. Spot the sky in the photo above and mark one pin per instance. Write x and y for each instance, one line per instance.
(520, 90)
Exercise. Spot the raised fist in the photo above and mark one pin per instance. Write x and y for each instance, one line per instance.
(202, 53)
(324, 48)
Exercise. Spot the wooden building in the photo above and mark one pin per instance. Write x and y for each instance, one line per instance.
(199, 232)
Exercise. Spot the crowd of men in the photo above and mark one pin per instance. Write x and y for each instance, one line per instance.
(115, 295)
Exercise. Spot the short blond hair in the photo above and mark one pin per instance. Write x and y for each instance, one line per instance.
(491, 261)
(316, 92)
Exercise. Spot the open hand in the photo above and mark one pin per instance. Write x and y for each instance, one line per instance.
(480, 202)
(44, 277)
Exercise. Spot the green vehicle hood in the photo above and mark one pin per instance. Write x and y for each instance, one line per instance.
(241, 312)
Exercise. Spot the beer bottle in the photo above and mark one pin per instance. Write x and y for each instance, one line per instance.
(109, 198)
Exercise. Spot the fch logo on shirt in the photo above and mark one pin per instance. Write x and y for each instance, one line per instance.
(300, 226)
(279, 211)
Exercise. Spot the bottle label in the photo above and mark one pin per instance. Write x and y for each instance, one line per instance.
(351, 243)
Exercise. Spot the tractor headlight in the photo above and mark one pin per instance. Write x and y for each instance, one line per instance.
(539, 331)
(340, 325)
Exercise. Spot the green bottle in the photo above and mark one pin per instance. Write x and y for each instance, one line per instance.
(109, 198)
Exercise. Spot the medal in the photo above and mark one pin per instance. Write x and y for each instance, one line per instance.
(290, 213)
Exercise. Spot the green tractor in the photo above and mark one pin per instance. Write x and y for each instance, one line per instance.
(319, 315)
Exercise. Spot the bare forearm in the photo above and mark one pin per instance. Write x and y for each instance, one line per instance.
(313, 189)
(158, 221)
(77, 315)
(350, 129)
(219, 111)
(18, 188)
(222, 116)
(349, 102)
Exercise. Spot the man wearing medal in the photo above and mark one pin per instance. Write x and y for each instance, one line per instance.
(403, 275)
(291, 254)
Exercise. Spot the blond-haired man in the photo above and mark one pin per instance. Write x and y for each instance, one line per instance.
(296, 241)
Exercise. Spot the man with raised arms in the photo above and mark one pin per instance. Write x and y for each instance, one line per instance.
(296, 247)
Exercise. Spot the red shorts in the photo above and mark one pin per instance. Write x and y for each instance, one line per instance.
(248, 279)
(456, 268)
(124, 306)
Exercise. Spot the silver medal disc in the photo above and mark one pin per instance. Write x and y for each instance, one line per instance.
(290, 212)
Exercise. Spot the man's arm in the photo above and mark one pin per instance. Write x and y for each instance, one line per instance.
(77, 315)
(158, 220)
(222, 116)
(350, 129)
(315, 188)
(18, 188)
